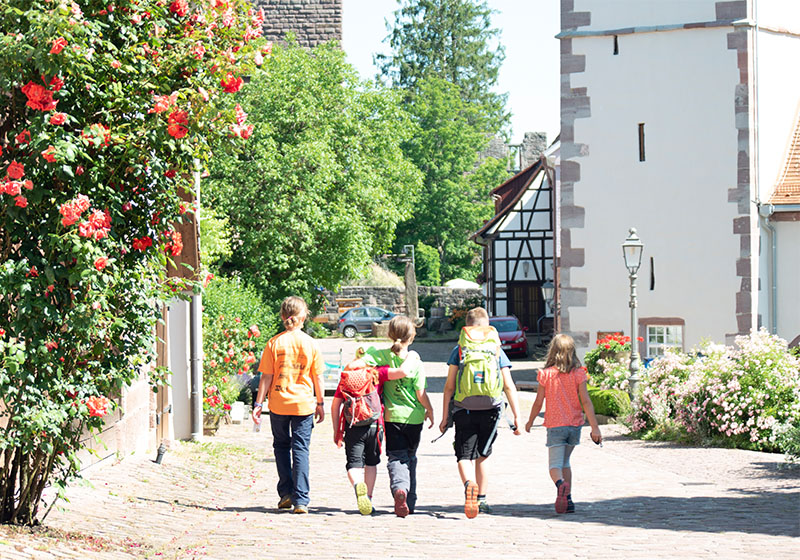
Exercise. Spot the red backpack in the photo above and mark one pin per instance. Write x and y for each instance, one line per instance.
(362, 404)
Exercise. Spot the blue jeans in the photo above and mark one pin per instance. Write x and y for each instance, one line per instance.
(291, 436)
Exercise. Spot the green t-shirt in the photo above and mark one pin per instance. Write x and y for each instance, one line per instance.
(399, 395)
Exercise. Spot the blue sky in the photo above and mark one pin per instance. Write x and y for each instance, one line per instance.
(530, 73)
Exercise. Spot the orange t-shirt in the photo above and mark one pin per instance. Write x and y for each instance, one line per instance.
(562, 404)
(291, 358)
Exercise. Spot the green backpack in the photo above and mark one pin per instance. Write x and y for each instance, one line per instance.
(479, 385)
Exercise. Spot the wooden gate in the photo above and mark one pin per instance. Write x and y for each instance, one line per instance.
(526, 302)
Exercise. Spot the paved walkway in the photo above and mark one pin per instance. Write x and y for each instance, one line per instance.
(634, 500)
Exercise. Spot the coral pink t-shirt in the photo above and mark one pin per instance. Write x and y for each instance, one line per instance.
(562, 404)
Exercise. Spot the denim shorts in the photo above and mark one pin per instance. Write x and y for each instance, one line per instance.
(563, 435)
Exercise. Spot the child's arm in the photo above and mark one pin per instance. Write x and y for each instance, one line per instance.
(336, 408)
(588, 408)
(511, 394)
(263, 390)
(536, 408)
(449, 391)
(405, 369)
(422, 397)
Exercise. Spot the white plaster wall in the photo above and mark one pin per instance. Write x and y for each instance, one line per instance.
(179, 364)
(783, 14)
(778, 102)
(681, 85)
(617, 14)
(788, 279)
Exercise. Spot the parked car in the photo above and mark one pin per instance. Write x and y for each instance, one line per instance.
(361, 319)
(512, 335)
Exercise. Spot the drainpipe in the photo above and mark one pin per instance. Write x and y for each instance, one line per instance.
(765, 211)
(196, 337)
(196, 365)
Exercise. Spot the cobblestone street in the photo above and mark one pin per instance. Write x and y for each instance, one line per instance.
(634, 500)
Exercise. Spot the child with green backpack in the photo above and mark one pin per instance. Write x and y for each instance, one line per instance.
(478, 375)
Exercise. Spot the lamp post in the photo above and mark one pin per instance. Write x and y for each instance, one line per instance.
(548, 293)
(632, 252)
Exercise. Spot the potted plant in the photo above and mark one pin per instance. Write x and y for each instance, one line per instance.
(214, 408)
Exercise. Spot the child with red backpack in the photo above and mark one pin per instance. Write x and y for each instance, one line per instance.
(357, 414)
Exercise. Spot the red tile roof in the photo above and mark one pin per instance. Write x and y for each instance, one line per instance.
(787, 190)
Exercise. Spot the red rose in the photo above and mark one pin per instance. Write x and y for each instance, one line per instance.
(170, 173)
(142, 243)
(58, 45)
(179, 7)
(58, 118)
(23, 137)
(49, 154)
(21, 201)
(39, 97)
(177, 123)
(101, 263)
(230, 83)
(79, 170)
(16, 170)
(98, 406)
(56, 83)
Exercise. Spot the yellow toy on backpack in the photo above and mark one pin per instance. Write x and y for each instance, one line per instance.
(479, 384)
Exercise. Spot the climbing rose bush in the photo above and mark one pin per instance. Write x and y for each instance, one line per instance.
(106, 108)
(749, 393)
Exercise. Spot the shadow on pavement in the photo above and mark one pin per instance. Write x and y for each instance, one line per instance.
(767, 513)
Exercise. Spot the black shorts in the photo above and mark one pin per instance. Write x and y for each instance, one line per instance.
(476, 430)
(403, 437)
(362, 446)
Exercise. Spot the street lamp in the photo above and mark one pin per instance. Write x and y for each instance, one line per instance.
(632, 251)
(548, 292)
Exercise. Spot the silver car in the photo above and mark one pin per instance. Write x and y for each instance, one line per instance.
(361, 319)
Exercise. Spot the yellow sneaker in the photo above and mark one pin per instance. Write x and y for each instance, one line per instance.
(363, 501)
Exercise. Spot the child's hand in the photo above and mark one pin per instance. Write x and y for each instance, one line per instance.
(429, 417)
(529, 425)
(337, 441)
(516, 426)
(411, 361)
(360, 352)
(597, 437)
(443, 425)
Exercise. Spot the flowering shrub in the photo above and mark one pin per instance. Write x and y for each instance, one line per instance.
(232, 338)
(105, 108)
(750, 394)
(608, 364)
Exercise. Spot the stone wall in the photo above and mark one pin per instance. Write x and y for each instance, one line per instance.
(391, 298)
(312, 21)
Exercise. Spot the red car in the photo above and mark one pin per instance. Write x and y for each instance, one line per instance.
(512, 335)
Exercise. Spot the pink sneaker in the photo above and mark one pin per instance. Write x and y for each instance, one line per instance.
(561, 498)
(400, 505)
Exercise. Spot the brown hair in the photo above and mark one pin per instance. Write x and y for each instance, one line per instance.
(293, 311)
(561, 354)
(401, 330)
(477, 316)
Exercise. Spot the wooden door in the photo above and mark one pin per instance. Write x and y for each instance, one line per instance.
(163, 407)
(526, 302)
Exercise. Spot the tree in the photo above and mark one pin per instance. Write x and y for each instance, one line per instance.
(454, 201)
(104, 110)
(320, 187)
(427, 265)
(453, 40)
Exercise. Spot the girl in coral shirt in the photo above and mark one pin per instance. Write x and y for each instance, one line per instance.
(563, 383)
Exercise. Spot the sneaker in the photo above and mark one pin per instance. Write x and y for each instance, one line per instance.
(400, 503)
(561, 497)
(470, 499)
(285, 502)
(300, 509)
(363, 501)
(570, 505)
(484, 507)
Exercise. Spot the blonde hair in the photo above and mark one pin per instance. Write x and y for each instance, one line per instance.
(561, 354)
(401, 330)
(477, 316)
(293, 311)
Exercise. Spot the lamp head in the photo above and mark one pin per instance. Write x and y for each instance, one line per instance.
(548, 291)
(632, 251)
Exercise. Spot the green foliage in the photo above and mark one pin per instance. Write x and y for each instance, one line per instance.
(236, 326)
(92, 161)
(455, 200)
(610, 402)
(453, 40)
(427, 265)
(215, 239)
(316, 330)
(323, 181)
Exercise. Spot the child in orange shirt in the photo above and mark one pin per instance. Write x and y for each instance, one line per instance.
(563, 383)
(290, 367)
